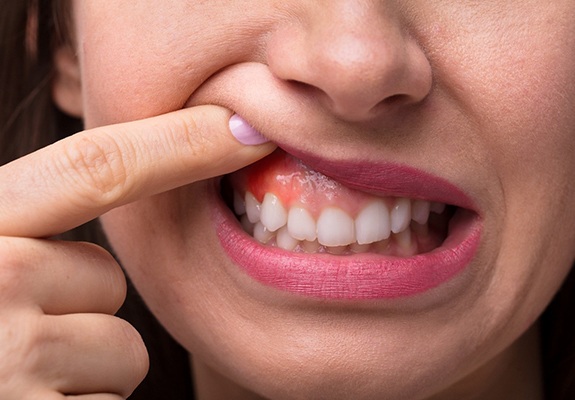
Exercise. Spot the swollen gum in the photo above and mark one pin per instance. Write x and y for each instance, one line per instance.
(295, 184)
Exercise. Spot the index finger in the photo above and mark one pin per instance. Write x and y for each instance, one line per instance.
(81, 177)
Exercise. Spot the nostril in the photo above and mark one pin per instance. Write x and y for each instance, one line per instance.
(305, 88)
(395, 99)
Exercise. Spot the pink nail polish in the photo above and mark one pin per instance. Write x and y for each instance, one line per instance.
(245, 133)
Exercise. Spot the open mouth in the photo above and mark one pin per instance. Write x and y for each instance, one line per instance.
(373, 231)
(283, 203)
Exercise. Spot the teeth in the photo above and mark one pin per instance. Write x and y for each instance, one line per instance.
(285, 240)
(273, 214)
(335, 231)
(437, 208)
(310, 247)
(253, 208)
(383, 246)
(359, 248)
(403, 239)
(301, 224)
(239, 204)
(247, 225)
(420, 229)
(335, 227)
(400, 215)
(405, 243)
(372, 224)
(337, 250)
(420, 211)
(261, 233)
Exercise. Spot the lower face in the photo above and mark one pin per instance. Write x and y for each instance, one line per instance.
(295, 315)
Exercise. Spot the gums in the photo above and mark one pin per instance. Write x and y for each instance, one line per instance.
(297, 185)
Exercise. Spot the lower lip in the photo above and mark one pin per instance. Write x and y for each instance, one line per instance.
(354, 277)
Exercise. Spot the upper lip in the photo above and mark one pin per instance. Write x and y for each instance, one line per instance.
(384, 178)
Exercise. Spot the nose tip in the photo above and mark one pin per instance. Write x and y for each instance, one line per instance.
(356, 68)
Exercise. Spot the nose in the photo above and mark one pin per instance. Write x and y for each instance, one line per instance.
(354, 56)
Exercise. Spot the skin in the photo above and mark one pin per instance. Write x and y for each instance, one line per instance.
(478, 93)
(59, 336)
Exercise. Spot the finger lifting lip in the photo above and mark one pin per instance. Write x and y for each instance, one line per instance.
(360, 276)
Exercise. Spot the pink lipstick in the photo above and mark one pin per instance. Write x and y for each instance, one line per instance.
(364, 275)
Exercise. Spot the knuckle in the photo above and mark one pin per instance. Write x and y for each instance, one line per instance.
(94, 165)
(185, 133)
(14, 267)
(22, 340)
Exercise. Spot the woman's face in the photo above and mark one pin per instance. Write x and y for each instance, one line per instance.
(464, 103)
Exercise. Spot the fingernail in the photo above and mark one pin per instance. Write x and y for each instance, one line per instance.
(245, 133)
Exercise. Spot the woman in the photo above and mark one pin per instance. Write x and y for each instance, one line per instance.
(383, 112)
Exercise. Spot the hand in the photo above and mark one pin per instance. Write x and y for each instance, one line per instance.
(58, 336)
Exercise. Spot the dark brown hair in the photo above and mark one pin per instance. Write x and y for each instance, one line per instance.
(27, 38)
(30, 31)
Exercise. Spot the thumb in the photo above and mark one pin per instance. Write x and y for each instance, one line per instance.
(81, 177)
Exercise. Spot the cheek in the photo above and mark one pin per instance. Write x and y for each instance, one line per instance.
(531, 141)
(533, 151)
(521, 98)
(118, 88)
(157, 241)
(136, 63)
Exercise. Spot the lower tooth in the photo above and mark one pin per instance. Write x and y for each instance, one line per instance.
(336, 250)
(359, 248)
(247, 225)
(284, 240)
(310, 247)
(404, 242)
(261, 233)
(422, 230)
(381, 247)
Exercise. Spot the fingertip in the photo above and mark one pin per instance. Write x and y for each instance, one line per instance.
(244, 132)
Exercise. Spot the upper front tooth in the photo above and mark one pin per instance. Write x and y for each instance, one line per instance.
(301, 224)
(273, 214)
(372, 224)
(420, 211)
(335, 227)
(253, 208)
(400, 215)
